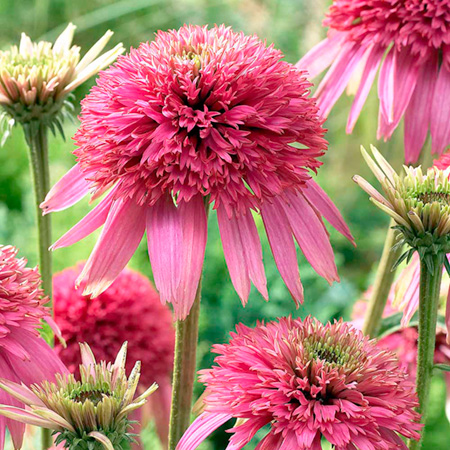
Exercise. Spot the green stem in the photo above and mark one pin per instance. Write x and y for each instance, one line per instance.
(36, 137)
(38, 146)
(382, 285)
(184, 373)
(430, 283)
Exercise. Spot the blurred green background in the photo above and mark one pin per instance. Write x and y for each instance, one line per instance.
(294, 26)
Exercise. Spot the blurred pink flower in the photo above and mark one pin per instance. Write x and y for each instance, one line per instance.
(24, 356)
(200, 116)
(129, 310)
(409, 40)
(306, 380)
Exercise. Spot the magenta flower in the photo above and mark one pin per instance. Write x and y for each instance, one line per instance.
(24, 356)
(129, 310)
(409, 40)
(308, 381)
(200, 116)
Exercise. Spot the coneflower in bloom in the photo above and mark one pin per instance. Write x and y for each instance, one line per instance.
(307, 381)
(24, 356)
(89, 414)
(128, 310)
(200, 116)
(409, 42)
(36, 78)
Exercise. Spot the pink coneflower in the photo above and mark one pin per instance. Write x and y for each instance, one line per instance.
(129, 310)
(200, 116)
(24, 356)
(409, 40)
(308, 381)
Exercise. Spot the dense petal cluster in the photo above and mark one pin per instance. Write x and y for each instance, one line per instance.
(308, 381)
(418, 203)
(128, 310)
(36, 77)
(24, 356)
(409, 42)
(87, 414)
(200, 116)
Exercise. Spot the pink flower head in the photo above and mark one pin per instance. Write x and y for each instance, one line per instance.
(200, 116)
(24, 356)
(308, 381)
(129, 310)
(409, 42)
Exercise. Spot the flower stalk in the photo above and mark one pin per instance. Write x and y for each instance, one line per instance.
(430, 283)
(184, 373)
(36, 137)
(383, 282)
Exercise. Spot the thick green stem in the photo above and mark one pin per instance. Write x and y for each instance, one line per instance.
(184, 373)
(382, 285)
(38, 145)
(430, 283)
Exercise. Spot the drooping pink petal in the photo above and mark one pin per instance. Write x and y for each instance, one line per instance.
(311, 235)
(337, 78)
(322, 55)
(282, 244)
(15, 428)
(164, 237)
(317, 197)
(18, 391)
(35, 370)
(440, 112)
(243, 253)
(71, 188)
(234, 253)
(406, 73)
(118, 241)
(18, 414)
(386, 87)
(447, 317)
(418, 113)
(195, 232)
(200, 429)
(370, 70)
(244, 433)
(88, 224)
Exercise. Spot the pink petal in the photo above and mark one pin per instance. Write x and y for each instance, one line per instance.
(440, 112)
(195, 232)
(418, 113)
(15, 428)
(322, 55)
(200, 429)
(320, 201)
(386, 87)
(71, 188)
(118, 241)
(244, 433)
(44, 364)
(234, 253)
(91, 222)
(447, 316)
(243, 252)
(17, 414)
(282, 244)
(19, 391)
(367, 79)
(270, 442)
(164, 237)
(334, 82)
(311, 235)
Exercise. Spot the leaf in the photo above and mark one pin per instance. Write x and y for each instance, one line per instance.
(443, 367)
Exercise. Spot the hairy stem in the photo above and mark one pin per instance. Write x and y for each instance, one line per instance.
(430, 283)
(36, 137)
(382, 285)
(184, 373)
